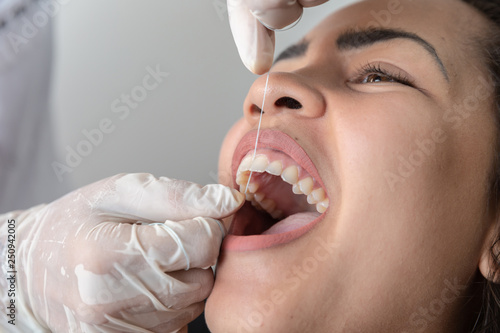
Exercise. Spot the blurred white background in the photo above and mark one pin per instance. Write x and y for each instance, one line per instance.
(103, 50)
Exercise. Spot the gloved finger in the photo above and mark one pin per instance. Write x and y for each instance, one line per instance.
(311, 3)
(200, 282)
(157, 321)
(168, 246)
(254, 42)
(275, 14)
(144, 197)
(183, 245)
(182, 288)
(182, 304)
(138, 291)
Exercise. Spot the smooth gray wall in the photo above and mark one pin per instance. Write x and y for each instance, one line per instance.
(103, 49)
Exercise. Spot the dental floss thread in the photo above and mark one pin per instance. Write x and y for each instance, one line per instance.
(258, 131)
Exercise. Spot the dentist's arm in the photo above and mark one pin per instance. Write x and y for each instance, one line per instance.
(248, 20)
(128, 253)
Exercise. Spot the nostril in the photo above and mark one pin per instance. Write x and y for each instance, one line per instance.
(288, 102)
(255, 110)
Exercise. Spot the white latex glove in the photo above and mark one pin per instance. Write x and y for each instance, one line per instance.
(248, 20)
(85, 264)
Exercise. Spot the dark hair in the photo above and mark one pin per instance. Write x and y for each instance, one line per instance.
(488, 318)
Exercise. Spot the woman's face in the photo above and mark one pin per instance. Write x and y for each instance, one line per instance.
(389, 111)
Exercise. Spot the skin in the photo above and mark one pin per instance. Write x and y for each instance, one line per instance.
(387, 252)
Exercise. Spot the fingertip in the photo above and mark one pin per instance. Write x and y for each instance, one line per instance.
(260, 62)
(238, 196)
(223, 200)
(222, 228)
(210, 226)
(257, 67)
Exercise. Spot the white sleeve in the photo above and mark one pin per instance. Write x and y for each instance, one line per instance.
(26, 149)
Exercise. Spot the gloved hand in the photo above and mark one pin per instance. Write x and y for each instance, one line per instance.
(130, 253)
(248, 20)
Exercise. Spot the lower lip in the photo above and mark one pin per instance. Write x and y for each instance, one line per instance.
(259, 242)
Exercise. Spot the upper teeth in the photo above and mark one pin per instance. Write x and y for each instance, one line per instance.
(306, 186)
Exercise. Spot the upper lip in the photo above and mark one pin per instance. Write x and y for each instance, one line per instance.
(277, 140)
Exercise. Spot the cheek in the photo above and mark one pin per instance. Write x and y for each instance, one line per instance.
(233, 137)
(390, 141)
(399, 167)
(401, 158)
(412, 190)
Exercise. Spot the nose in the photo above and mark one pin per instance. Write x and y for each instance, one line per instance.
(287, 94)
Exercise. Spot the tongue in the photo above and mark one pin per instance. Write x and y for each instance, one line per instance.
(292, 222)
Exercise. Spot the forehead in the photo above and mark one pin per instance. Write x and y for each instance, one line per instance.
(439, 18)
(448, 25)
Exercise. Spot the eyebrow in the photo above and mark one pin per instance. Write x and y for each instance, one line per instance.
(353, 39)
(293, 51)
(357, 39)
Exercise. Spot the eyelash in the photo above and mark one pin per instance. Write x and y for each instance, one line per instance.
(368, 69)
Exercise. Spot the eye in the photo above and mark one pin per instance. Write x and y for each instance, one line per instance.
(377, 78)
(373, 74)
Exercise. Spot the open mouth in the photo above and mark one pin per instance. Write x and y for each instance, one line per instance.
(285, 197)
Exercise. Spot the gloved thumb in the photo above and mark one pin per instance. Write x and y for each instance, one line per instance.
(254, 42)
(143, 197)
